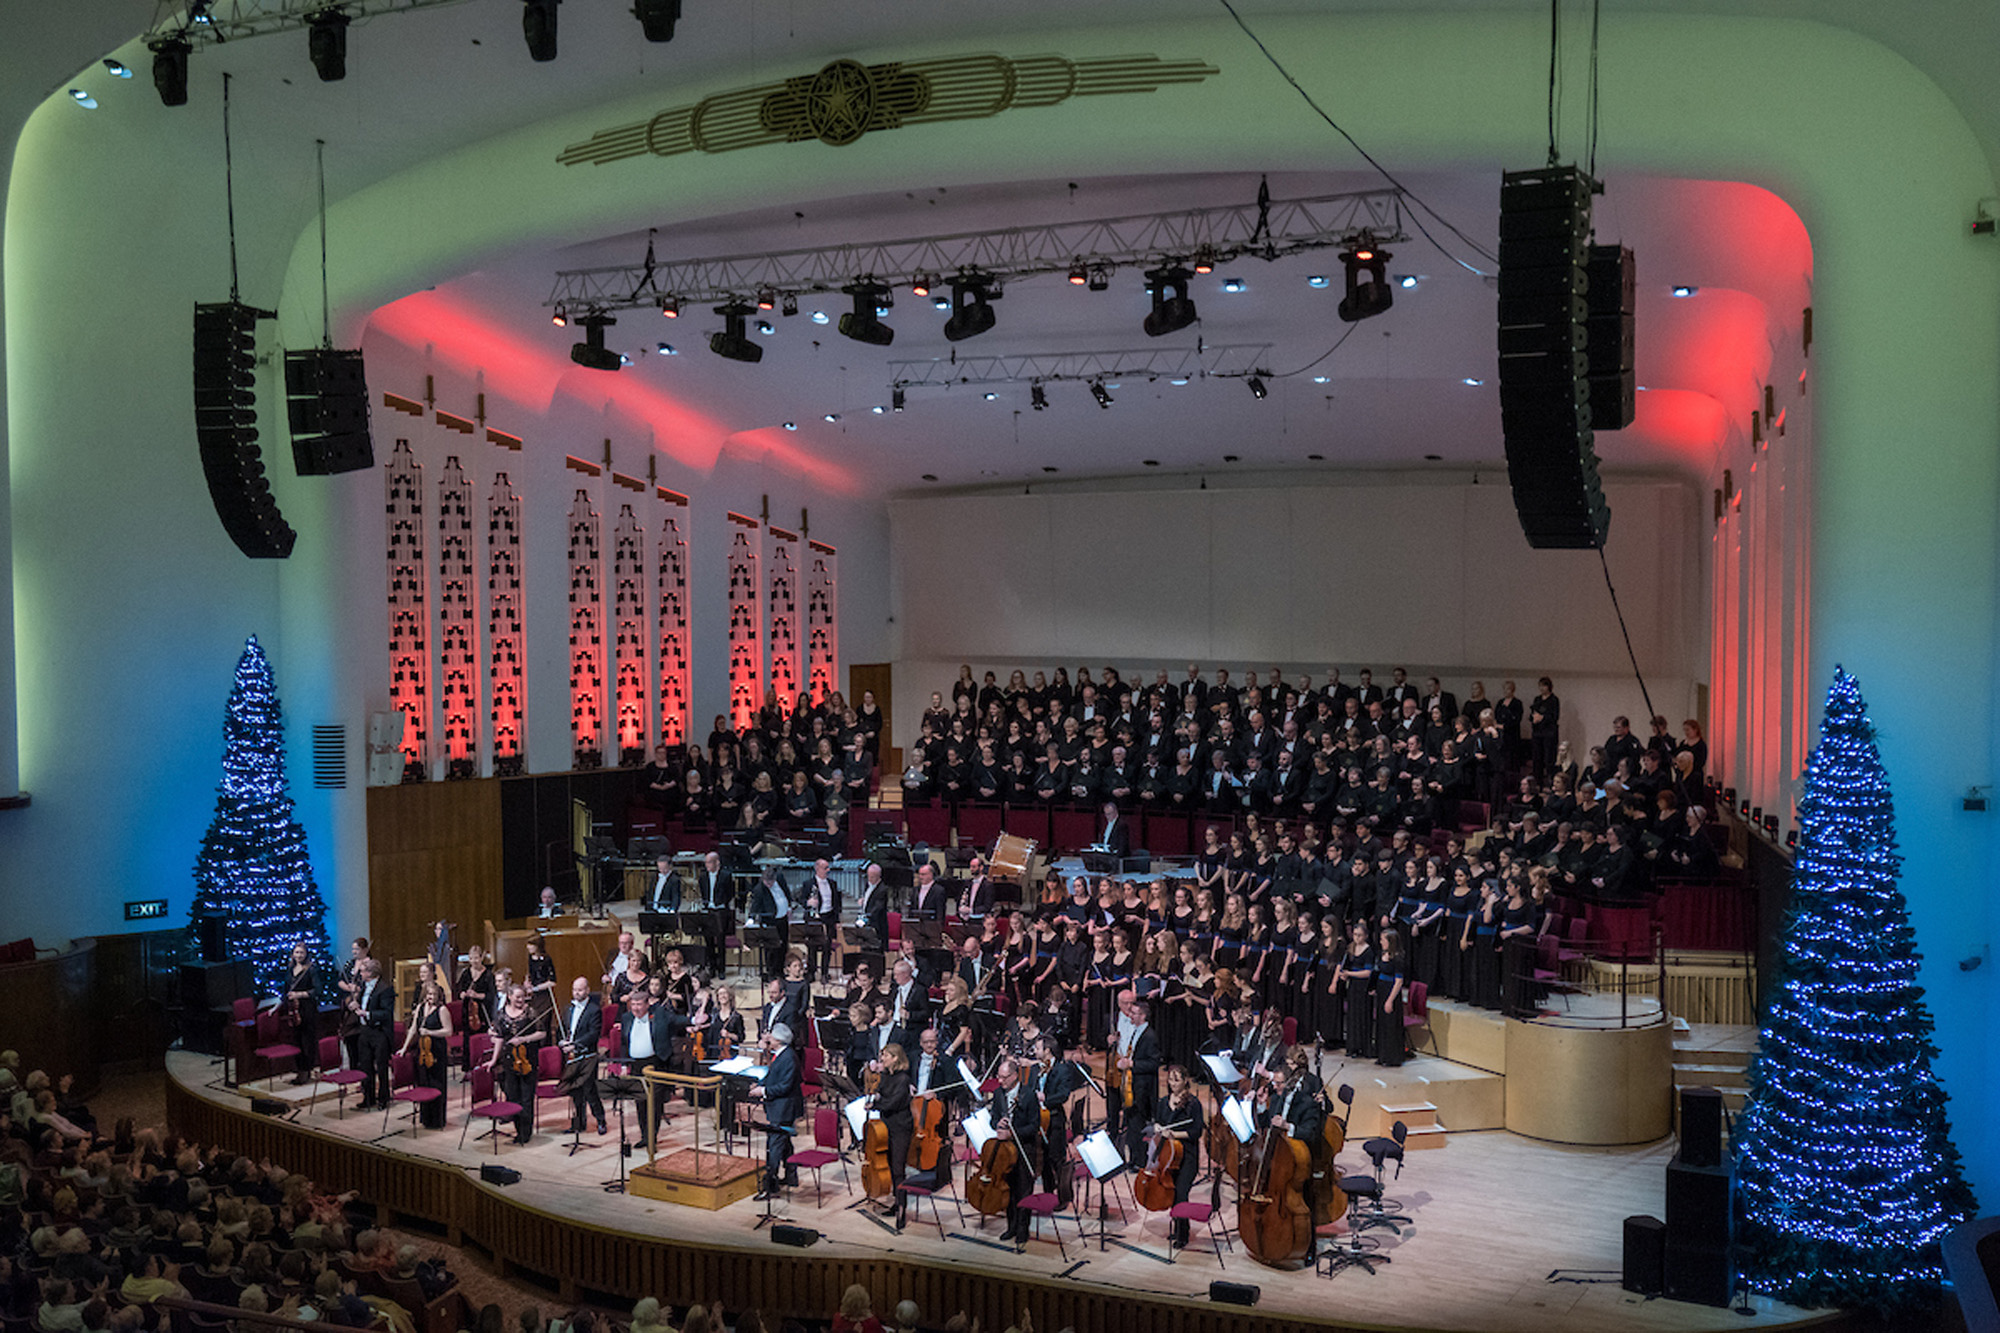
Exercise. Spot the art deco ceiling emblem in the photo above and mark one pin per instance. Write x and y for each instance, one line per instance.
(845, 100)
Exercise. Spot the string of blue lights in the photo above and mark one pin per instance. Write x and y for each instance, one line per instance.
(1847, 1179)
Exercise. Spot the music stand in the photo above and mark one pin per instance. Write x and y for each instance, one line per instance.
(941, 962)
(1105, 1163)
(924, 934)
(812, 934)
(653, 924)
(619, 1089)
(861, 939)
(575, 1071)
(760, 938)
(770, 1216)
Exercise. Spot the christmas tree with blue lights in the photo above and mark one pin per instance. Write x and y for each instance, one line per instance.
(254, 871)
(1847, 1180)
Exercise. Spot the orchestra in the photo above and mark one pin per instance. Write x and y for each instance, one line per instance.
(1096, 1006)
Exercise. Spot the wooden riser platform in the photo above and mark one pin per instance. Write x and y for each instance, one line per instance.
(712, 1183)
(1458, 1097)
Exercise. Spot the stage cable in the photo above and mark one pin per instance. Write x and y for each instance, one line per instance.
(1368, 157)
(229, 190)
(1622, 629)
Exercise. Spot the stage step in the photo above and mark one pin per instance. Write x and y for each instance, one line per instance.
(1414, 1115)
(1710, 1075)
(1694, 1053)
(1424, 1136)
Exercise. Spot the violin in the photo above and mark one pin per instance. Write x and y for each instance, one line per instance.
(1272, 1218)
(1153, 1187)
(986, 1178)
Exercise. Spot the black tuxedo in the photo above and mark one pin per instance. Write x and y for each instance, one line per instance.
(586, 1029)
(378, 1015)
(916, 1013)
(784, 1103)
(975, 900)
(1021, 1109)
(927, 902)
(1117, 837)
(874, 911)
(713, 891)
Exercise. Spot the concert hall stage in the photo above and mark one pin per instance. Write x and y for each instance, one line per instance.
(1508, 1233)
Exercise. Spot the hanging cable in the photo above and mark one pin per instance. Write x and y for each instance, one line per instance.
(229, 188)
(1287, 374)
(1381, 170)
(1555, 97)
(1638, 674)
(1596, 13)
(325, 305)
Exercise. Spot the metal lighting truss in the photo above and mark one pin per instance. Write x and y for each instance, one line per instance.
(215, 21)
(1268, 231)
(1233, 361)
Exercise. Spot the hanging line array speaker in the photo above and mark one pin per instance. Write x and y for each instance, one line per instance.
(225, 427)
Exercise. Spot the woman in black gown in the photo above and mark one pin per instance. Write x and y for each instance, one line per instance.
(477, 987)
(302, 998)
(429, 1034)
(1388, 999)
(892, 1102)
(1358, 971)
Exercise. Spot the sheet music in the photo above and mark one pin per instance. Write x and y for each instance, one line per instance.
(965, 1072)
(1242, 1120)
(742, 1065)
(1223, 1068)
(1100, 1154)
(856, 1112)
(978, 1129)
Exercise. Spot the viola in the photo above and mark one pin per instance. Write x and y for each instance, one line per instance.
(986, 1178)
(524, 1063)
(927, 1143)
(1153, 1187)
(1272, 1218)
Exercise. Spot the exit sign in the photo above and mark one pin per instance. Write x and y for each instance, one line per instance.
(146, 909)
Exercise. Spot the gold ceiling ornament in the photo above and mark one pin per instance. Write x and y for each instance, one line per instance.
(845, 100)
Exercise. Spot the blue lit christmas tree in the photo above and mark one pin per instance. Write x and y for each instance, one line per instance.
(1847, 1178)
(253, 870)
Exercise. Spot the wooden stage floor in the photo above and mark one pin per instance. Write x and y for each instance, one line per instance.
(1509, 1234)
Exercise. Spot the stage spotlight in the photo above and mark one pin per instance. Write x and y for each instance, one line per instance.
(1204, 259)
(1100, 277)
(732, 342)
(1038, 398)
(1257, 388)
(170, 69)
(1407, 281)
(1097, 391)
(117, 68)
(591, 353)
(921, 284)
(972, 309)
(862, 323)
(895, 400)
(657, 18)
(1173, 309)
(538, 26)
(764, 327)
(326, 44)
(767, 299)
(83, 99)
(1368, 298)
(1078, 274)
(560, 318)
(666, 349)
(670, 307)
(788, 304)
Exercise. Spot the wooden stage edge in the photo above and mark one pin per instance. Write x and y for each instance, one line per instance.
(557, 1225)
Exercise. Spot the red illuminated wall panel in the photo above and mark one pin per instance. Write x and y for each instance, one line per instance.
(670, 591)
(409, 608)
(506, 629)
(746, 613)
(784, 619)
(629, 634)
(458, 623)
(586, 635)
(822, 613)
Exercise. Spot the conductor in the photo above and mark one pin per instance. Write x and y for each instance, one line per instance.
(783, 1105)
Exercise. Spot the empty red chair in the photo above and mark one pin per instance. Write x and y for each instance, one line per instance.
(486, 1106)
(331, 1072)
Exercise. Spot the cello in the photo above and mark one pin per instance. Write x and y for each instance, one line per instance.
(927, 1142)
(1272, 1218)
(1153, 1187)
(875, 1180)
(986, 1177)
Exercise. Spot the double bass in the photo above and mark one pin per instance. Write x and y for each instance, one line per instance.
(1272, 1217)
(1224, 1152)
(1329, 1199)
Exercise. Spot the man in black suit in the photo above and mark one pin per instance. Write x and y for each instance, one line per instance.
(909, 1004)
(783, 1105)
(771, 908)
(584, 1022)
(378, 1015)
(1297, 1111)
(1117, 835)
(1139, 1059)
(1437, 696)
(1017, 1113)
(646, 1037)
(821, 898)
(975, 900)
(783, 1007)
(927, 900)
(714, 887)
(873, 910)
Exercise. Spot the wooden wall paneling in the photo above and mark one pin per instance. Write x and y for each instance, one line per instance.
(433, 851)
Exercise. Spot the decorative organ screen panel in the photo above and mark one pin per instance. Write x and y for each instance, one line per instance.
(586, 635)
(458, 623)
(822, 621)
(506, 630)
(628, 609)
(746, 613)
(784, 621)
(670, 586)
(409, 609)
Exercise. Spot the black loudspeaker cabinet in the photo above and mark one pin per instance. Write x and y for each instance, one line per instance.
(214, 985)
(327, 404)
(1234, 1293)
(225, 428)
(1645, 1255)
(1699, 1204)
(1613, 380)
(784, 1233)
(1702, 1274)
(1701, 1127)
(1544, 341)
